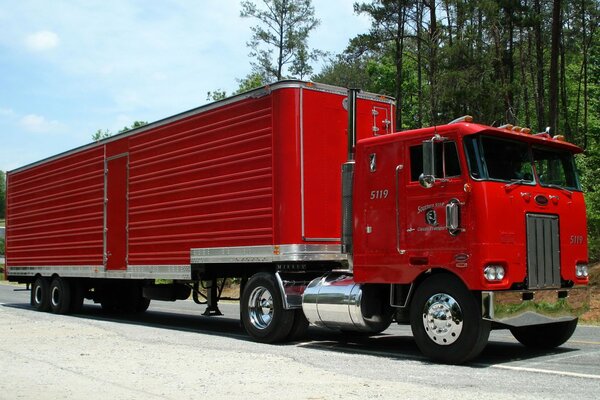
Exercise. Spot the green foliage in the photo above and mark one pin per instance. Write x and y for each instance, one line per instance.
(216, 95)
(251, 81)
(101, 134)
(589, 165)
(2, 195)
(489, 59)
(280, 38)
(136, 124)
(2, 244)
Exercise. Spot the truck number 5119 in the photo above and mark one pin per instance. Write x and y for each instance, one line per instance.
(379, 194)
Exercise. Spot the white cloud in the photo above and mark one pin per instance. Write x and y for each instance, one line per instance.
(42, 41)
(38, 124)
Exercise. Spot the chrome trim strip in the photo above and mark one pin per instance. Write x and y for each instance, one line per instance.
(255, 93)
(268, 254)
(526, 308)
(98, 271)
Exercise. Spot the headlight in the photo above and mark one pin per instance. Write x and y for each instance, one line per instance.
(494, 273)
(581, 270)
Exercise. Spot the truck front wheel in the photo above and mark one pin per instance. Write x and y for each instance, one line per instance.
(545, 336)
(446, 321)
(263, 315)
(40, 294)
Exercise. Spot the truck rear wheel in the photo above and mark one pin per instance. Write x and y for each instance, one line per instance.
(40, 294)
(60, 296)
(263, 315)
(545, 336)
(446, 320)
(300, 326)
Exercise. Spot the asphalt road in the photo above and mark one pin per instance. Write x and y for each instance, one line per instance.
(171, 351)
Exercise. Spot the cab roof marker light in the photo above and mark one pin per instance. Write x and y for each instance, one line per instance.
(506, 126)
(517, 128)
(464, 118)
(526, 130)
(559, 138)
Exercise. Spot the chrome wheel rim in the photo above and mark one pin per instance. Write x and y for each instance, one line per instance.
(442, 319)
(260, 308)
(38, 294)
(55, 296)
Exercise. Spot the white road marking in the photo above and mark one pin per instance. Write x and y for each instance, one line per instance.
(546, 371)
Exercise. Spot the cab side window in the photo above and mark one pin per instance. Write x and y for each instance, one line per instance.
(447, 164)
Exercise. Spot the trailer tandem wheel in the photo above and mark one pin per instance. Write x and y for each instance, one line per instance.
(263, 315)
(446, 321)
(40, 294)
(60, 296)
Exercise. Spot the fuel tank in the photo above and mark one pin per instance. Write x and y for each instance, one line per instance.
(335, 301)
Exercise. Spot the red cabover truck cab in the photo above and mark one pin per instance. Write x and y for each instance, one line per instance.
(491, 235)
(303, 192)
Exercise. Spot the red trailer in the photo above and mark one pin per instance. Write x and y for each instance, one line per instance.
(348, 228)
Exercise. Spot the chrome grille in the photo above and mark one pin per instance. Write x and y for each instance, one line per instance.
(543, 251)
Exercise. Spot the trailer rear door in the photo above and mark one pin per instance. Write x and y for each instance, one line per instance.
(115, 212)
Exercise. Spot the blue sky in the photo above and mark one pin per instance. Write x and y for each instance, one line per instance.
(69, 68)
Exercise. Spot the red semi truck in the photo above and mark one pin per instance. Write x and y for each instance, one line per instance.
(307, 195)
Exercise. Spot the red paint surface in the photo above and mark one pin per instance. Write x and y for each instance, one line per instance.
(492, 216)
(230, 176)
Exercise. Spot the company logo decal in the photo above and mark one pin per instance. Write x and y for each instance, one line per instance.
(431, 217)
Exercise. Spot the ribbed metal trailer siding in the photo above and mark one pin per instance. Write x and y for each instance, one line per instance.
(56, 212)
(258, 170)
(206, 181)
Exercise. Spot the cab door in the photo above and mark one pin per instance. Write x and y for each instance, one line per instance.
(430, 241)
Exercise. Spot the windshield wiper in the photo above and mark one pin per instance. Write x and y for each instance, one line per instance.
(514, 182)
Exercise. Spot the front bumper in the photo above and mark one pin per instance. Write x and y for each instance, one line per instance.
(524, 308)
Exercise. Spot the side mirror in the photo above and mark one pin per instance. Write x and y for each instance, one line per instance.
(427, 178)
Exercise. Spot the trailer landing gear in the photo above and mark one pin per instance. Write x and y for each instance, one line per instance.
(212, 300)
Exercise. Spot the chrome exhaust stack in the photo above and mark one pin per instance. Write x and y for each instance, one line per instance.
(348, 178)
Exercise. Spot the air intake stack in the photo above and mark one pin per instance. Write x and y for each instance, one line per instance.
(348, 178)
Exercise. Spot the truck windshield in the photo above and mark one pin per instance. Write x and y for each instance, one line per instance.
(498, 159)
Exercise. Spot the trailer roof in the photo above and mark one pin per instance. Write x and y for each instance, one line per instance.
(254, 93)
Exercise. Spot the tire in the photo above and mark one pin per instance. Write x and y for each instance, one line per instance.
(60, 296)
(263, 315)
(40, 294)
(142, 305)
(547, 336)
(299, 327)
(446, 321)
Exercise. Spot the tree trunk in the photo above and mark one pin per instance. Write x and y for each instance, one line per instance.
(419, 66)
(399, 61)
(563, 93)
(554, 54)
(539, 57)
(524, 82)
(433, 47)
